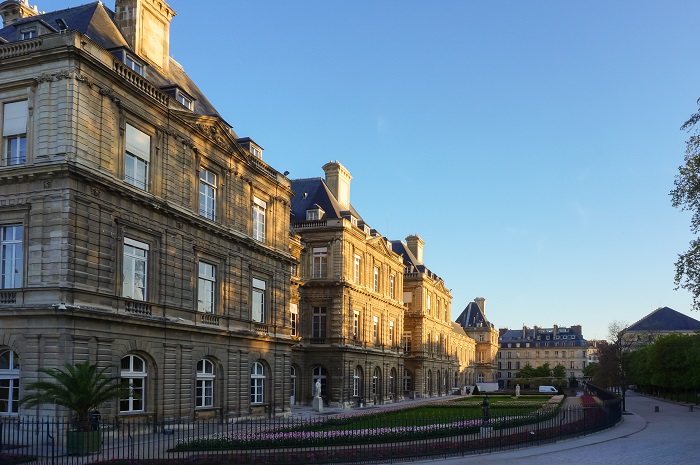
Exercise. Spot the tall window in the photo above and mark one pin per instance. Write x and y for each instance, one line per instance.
(11, 256)
(392, 288)
(357, 382)
(356, 324)
(134, 272)
(356, 269)
(207, 194)
(376, 279)
(318, 322)
(320, 262)
(407, 381)
(294, 318)
(204, 396)
(133, 372)
(392, 382)
(258, 311)
(206, 287)
(376, 380)
(9, 382)
(293, 385)
(257, 383)
(14, 133)
(375, 329)
(259, 208)
(138, 156)
(391, 333)
(407, 342)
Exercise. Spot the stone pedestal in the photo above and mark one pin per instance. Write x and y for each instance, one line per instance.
(317, 404)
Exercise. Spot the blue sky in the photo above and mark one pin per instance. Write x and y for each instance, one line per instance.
(531, 144)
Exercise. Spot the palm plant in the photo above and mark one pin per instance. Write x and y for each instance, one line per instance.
(80, 387)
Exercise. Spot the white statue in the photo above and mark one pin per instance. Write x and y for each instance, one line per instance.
(318, 388)
(517, 390)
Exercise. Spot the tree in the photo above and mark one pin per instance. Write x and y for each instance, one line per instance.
(590, 369)
(81, 388)
(614, 360)
(686, 197)
(559, 371)
(528, 371)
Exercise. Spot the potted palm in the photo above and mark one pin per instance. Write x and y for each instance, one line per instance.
(80, 388)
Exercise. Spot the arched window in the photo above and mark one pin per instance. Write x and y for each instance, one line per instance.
(9, 382)
(319, 374)
(357, 382)
(204, 396)
(430, 382)
(134, 372)
(257, 383)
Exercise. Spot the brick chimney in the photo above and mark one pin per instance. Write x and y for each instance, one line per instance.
(146, 27)
(338, 181)
(415, 245)
(481, 303)
(13, 10)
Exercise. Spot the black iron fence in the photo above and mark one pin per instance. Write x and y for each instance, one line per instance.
(334, 439)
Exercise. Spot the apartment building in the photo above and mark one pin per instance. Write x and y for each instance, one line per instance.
(138, 230)
(536, 346)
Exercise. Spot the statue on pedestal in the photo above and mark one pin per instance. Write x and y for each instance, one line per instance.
(485, 410)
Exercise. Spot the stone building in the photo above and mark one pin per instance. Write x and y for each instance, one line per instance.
(138, 231)
(475, 324)
(536, 346)
(374, 322)
(439, 356)
(661, 322)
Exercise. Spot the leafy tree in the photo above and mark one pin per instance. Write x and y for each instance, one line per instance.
(614, 360)
(559, 371)
(543, 371)
(686, 197)
(590, 369)
(81, 388)
(528, 371)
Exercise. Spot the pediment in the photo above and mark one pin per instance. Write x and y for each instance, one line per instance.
(212, 128)
(379, 243)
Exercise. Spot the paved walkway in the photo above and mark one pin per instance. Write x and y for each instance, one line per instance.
(667, 437)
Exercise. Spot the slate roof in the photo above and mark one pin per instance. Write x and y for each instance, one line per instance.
(409, 260)
(473, 317)
(314, 191)
(566, 337)
(665, 319)
(97, 22)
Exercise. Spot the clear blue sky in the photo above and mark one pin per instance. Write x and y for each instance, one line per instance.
(531, 144)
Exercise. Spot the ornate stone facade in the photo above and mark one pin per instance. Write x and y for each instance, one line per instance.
(137, 232)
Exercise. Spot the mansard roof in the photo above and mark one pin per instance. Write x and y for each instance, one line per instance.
(665, 319)
(96, 21)
(473, 317)
(410, 261)
(311, 193)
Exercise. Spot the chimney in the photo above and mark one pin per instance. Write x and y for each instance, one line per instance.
(338, 181)
(415, 245)
(481, 303)
(146, 27)
(13, 10)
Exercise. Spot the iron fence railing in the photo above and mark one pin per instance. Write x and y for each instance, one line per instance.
(367, 439)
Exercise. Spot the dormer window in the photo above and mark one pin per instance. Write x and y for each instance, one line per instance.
(314, 214)
(248, 144)
(29, 34)
(353, 220)
(184, 100)
(257, 153)
(134, 65)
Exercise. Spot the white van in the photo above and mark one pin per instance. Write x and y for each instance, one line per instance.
(548, 389)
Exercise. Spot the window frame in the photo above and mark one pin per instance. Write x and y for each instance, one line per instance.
(137, 245)
(207, 285)
(204, 384)
(15, 129)
(137, 155)
(10, 381)
(208, 192)
(257, 383)
(259, 219)
(319, 262)
(258, 300)
(136, 395)
(319, 322)
(16, 262)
